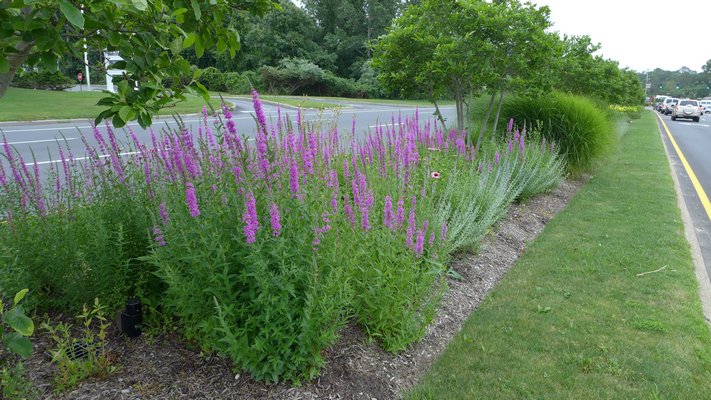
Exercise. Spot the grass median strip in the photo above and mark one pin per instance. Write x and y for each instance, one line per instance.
(34, 105)
(603, 304)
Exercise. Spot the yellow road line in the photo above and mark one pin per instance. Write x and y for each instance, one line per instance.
(694, 180)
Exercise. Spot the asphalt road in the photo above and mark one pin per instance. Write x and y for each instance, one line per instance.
(694, 143)
(38, 140)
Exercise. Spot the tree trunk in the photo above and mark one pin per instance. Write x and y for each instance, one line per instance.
(439, 116)
(498, 111)
(485, 122)
(459, 100)
(14, 60)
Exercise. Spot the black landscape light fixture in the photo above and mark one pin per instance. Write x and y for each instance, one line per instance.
(131, 318)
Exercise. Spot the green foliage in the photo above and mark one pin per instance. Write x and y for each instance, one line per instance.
(571, 320)
(149, 36)
(78, 359)
(577, 127)
(269, 295)
(213, 79)
(439, 47)
(298, 76)
(15, 330)
(582, 73)
(44, 80)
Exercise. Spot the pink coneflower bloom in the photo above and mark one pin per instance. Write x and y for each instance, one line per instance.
(435, 175)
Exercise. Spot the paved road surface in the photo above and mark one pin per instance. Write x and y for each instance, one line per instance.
(40, 138)
(694, 142)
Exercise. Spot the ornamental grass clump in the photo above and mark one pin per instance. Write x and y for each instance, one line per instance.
(262, 250)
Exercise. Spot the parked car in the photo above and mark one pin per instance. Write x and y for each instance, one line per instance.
(706, 104)
(686, 108)
(668, 105)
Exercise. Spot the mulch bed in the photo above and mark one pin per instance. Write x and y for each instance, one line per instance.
(167, 368)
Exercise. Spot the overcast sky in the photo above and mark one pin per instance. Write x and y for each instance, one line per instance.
(640, 34)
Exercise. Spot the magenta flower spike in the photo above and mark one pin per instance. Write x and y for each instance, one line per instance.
(510, 146)
(496, 157)
(510, 127)
(261, 119)
(294, 178)
(388, 212)
(419, 243)
(191, 200)
(275, 219)
(249, 217)
(158, 236)
(163, 212)
(443, 233)
(400, 214)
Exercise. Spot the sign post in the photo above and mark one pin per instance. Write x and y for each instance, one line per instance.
(80, 78)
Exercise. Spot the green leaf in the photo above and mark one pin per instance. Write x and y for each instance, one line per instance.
(20, 295)
(114, 38)
(176, 46)
(199, 49)
(189, 40)
(126, 113)
(202, 90)
(117, 121)
(140, 5)
(196, 9)
(19, 344)
(118, 65)
(221, 45)
(4, 65)
(74, 16)
(19, 322)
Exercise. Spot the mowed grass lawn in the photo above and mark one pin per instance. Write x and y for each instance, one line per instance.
(33, 105)
(572, 319)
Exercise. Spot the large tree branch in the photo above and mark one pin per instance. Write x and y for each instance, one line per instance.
(14, 60)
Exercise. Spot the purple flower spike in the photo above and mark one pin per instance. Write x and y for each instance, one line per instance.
(400, 216)
(158, 236)
(275, 219)
(191, 200)
(251, 223)
(294, 178)
(443, 233)
(510, 127)
(388, 212)
(419, 243)
(163, 211)
(261, 119)
(496, 157)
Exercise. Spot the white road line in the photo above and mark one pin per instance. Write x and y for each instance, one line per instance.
(83, 158)
(43, 141)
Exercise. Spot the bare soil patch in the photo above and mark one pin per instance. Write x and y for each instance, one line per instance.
(168, 368)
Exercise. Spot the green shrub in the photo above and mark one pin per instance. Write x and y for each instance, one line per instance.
(44, 80)
(576, 125)
(213, 79)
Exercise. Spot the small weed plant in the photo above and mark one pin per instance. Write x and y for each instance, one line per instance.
(82, 357)
(262, 250)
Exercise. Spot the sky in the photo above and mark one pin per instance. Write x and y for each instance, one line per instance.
(640, 34)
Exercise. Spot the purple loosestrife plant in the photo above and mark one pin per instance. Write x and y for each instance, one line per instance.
(191, 200)
(249, 217)
(275, 219)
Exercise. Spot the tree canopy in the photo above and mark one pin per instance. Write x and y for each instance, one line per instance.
(149, 35)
